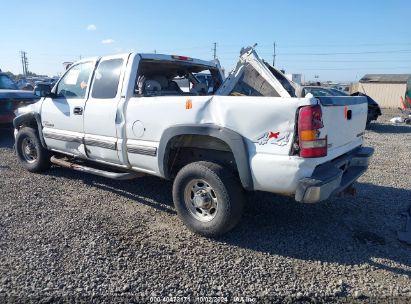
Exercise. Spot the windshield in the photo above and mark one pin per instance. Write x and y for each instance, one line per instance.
(6, 83)
(338, 92)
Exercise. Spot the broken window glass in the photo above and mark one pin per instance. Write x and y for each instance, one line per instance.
(169, 78)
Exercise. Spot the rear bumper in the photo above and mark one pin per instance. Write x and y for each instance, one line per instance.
(333, 177)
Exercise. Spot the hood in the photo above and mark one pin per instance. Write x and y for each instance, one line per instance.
(17, 94)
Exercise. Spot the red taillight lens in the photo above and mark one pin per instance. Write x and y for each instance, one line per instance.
(309, 141)
(310, 118)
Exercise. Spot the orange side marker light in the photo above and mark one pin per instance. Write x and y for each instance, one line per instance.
(189, 104)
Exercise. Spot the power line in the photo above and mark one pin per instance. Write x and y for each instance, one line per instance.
(342, 61)
(348, 53)
(321, 45)
(350, 69)
(265, 52)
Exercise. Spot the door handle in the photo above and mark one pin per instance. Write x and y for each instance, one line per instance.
(78, 111)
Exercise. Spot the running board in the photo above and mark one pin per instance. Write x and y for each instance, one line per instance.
(103, 173)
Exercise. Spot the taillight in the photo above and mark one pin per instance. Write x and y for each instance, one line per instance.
(309, 124)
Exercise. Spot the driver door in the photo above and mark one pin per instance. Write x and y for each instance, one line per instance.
(62, 115)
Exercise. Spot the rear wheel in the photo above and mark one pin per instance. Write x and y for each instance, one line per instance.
(208, 197)
(30, 153)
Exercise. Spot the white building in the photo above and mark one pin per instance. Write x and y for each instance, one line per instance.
(386, 89)
(297, 78)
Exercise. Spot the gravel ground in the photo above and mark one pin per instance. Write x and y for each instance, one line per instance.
(66, 236)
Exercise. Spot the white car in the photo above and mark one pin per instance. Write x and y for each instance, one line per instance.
(250, 132)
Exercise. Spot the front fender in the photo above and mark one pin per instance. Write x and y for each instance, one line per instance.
(29, 118)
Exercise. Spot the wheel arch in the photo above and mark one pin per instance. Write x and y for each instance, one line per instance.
(232, 139)
(33, 120)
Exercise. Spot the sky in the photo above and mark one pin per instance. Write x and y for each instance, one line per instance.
(323, 40)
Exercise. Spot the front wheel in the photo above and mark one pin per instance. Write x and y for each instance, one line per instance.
(30, 153)
(208, 197)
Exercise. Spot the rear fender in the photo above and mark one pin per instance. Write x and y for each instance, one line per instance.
(234, 140)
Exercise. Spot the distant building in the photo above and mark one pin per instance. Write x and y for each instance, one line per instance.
(386, 89)
(297, 78)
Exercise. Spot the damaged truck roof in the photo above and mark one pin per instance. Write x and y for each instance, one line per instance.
(254, 77)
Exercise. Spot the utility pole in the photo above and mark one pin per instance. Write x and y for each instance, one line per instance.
(274, 54)
(24, 62)
(215, 50)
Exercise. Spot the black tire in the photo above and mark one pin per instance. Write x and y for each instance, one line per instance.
(39, 158)
(226, 191)
(368, 123)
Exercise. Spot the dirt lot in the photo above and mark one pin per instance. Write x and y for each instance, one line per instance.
(67, 236)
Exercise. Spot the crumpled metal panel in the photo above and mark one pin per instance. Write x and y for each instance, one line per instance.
(263, 82)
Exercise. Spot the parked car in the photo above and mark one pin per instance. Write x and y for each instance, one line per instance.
(42, 89)
(128, 115)
(24, 84)
(374, 109)
(12, 98)
(47, 81)
(321, 91)
(338, 92)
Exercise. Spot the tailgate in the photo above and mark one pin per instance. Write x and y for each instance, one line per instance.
(344, 120)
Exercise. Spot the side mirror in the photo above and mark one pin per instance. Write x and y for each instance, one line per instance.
(42, 90)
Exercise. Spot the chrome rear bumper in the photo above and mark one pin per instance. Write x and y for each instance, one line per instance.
(334, 177)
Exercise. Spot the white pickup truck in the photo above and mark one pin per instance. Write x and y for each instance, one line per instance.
(125, 116)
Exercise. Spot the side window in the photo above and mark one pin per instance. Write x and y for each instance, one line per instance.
(106, 79)
(74, 84)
